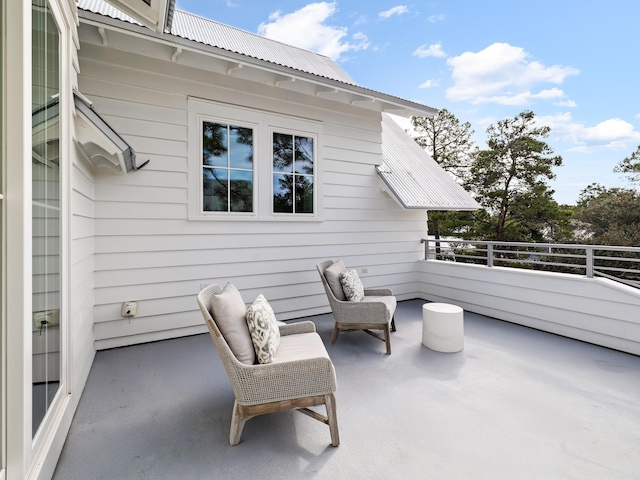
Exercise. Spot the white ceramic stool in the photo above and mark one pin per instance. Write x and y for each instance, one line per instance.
(442, 327)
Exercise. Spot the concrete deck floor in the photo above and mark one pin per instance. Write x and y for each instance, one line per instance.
(516, 403)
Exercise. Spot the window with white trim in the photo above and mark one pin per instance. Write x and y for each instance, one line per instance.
(250, 164)
(293, 173)
(227, 167)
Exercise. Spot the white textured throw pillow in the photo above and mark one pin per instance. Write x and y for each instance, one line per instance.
(332, 274)
(263, 328)
(228, 310)
(352, 285)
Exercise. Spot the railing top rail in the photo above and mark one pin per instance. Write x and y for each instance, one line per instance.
(537, 245)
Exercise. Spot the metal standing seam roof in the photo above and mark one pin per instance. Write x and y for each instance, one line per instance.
(208, 32)
(414, 178)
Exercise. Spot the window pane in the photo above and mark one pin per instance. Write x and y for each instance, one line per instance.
(215, 190)
(241, 191)
(46, 239)
(215, 144)
(304, 194)
(304, 155)
(241, 146)
(283, 193)
(229, 186)
(282, 153)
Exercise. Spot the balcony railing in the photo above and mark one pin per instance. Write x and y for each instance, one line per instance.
(621, 264)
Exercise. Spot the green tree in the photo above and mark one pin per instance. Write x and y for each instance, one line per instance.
(630, 166)
(609, 216)
(509, 180)
(446, 140)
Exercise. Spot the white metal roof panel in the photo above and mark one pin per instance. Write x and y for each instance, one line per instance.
(208, 32)
(416, 179)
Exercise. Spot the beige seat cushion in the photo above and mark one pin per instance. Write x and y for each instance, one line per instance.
(299, 347)
(228, 310)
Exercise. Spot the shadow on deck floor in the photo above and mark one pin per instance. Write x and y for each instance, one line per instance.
(516, 403)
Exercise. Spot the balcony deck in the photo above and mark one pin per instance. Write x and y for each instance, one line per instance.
(515, 403)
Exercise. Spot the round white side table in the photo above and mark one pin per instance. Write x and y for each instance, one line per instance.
(443, 327)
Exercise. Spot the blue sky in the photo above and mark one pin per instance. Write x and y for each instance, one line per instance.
(573, 63)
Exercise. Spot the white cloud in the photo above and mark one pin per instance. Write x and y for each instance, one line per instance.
(398, 10)
(306, 28)
(436, 18)
(429, 84)
(434, 50)
(566, 103)
(611, 134)
(503, 74)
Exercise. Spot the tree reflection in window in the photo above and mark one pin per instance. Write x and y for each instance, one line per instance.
(293, 179)
(227, 168)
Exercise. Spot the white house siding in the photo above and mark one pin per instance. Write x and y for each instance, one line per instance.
(82, 268)
(146, 249)
(598, 311)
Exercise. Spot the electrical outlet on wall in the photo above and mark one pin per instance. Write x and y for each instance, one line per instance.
(364, 270)
(129, 309)
(46, 319)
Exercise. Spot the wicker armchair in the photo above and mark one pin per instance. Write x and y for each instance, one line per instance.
(375, 312)
(301, 375)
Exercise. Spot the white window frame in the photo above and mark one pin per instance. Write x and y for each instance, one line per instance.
(295, 133)
(264, 124)
(224, 121)
(42, 437)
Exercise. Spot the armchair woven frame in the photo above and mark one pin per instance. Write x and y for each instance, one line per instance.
(365, 316)
(275, 387)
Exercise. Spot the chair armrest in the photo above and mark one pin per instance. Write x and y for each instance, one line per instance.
(360, 312)
(379, 292)
(298, 327)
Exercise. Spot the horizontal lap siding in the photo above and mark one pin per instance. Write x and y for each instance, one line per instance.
(148, 251)
(82, 270)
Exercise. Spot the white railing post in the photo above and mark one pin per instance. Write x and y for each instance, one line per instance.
(589, 260)
(426, 248)
(490, 255)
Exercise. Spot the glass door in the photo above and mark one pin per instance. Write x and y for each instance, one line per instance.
(46, 201)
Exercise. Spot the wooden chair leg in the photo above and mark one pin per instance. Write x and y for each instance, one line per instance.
(336, 332)
(332, 419)
(393, 324)
(387, 338)
(238, 420)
